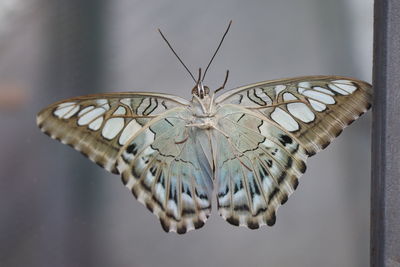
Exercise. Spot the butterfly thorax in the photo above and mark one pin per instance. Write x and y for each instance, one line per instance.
(203, 111)
(203, 107)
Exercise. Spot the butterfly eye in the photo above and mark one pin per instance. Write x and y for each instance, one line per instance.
(200, 93)
(206, 90)
(195, 91)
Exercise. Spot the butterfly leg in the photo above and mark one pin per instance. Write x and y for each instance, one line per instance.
(185, 139)
(213, 94)
(223, 85)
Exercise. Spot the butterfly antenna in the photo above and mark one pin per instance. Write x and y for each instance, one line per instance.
(216, 51)
(180, 60)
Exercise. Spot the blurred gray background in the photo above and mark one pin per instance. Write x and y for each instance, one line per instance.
(59, 209)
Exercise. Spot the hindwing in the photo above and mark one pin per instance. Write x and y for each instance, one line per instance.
(258, 167)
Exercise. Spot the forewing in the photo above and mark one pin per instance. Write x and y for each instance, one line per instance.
(99, 125)
(257, 168)
(167, 170)
(314, 109)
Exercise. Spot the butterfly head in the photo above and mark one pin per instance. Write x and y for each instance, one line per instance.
(200, 90)
(201, 98)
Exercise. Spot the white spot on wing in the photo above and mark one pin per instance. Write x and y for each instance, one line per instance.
(96, 124)
(66, 104)
(289, 96)
(342, 81)
(62, 110)
(66, 112)
(187, 200)
(321, 97)
(301, 111)
(346, 87)
(323, 90)
(301, 90)
(103, 103)
(279, 88)
(305, 84)
(203, 203)
(143, 106)
(318, 106)
(171, 205)
(267, 184)
(236, 99)
(83, 111)
(337, 89)
(90, 116)
(126, 101)
(160, 192)
(112, 127)
(148, 178)
(120, 111)
(129, 131)
(260, 93)
(285, 120)
(258, 202)
(240, 197)
(225, 200)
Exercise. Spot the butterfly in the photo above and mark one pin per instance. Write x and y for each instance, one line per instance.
(249, 145)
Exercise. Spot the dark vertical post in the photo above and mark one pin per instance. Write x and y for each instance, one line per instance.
(385, 191)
